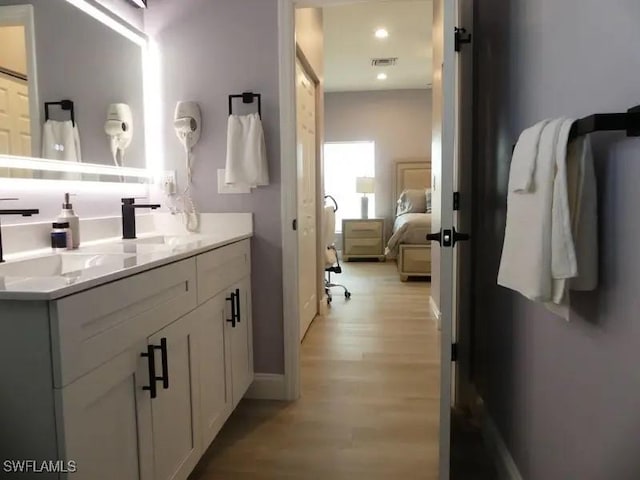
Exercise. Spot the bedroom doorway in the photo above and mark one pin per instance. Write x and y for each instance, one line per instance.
(343, 373)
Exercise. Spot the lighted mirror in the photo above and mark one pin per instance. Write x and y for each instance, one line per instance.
(71, 91)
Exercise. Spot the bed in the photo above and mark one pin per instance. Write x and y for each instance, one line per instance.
(408, 243)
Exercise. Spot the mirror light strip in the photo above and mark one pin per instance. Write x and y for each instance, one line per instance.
(109, 21)
(9, 161)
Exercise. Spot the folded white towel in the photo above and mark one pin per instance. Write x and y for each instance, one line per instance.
(582, 202)
(61, 141)
(523, 163)
(526, 255)
(550, 243)
(246, 152)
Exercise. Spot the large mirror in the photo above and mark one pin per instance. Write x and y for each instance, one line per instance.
(71, 89)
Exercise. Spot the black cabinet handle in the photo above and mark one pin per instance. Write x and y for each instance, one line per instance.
(165, 363)
(151, 359)
(238, 305)
(232, 320)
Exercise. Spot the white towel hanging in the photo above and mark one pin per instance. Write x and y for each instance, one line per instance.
(246, 152)
(61, 141)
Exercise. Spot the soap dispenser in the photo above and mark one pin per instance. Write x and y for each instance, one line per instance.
(68, 215)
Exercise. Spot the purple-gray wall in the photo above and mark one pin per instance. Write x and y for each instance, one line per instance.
(565, 396)
(210, 50)
(81, 59)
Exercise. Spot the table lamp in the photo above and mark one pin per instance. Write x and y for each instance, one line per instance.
(365, 186)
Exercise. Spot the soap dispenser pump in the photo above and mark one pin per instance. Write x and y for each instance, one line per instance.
(68, 215)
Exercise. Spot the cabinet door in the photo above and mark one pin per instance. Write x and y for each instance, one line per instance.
(176, 434)
(104, 421)
(241, 336)
(215, 367)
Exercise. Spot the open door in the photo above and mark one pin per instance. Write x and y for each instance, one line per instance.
(445, 152)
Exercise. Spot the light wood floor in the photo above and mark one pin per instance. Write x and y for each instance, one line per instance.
(370, 395)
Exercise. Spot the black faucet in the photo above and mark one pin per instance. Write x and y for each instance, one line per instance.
(23, 212)
(129, 216)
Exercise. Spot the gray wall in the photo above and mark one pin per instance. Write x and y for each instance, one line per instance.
(210, 50)
(81, 59)
(398, 121)
(565, 396)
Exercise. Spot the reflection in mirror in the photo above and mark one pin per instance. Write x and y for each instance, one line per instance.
(71, 88)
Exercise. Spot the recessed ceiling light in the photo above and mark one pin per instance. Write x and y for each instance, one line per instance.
(382, 33)
(382, 76)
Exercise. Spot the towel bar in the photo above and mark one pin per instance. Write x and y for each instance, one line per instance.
(601, 122)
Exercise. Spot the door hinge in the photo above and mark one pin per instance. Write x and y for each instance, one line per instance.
(454, 352)
(462, 37)
(294, 224)
(456, 201)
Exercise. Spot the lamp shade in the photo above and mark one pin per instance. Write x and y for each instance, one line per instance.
(365, 185)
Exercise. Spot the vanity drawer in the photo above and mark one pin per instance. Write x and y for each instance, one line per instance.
(363, 246)
(221, 268)
(367, 229)
(94, 326)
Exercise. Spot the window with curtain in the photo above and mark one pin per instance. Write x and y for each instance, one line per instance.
(343, 163)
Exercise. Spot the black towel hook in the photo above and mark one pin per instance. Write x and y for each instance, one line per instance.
(335, 208)
(66, 105)
(247, 98)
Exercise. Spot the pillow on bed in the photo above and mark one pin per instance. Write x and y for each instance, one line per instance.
(412, 201)
(428, 200)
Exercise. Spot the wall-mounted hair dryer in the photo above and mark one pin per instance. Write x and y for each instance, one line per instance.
(188, 124)
(119, 129)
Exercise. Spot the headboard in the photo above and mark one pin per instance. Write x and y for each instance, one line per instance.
(414, 173)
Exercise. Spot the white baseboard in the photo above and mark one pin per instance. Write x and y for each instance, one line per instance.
(267, 386)
(507, 468)
(436, 312)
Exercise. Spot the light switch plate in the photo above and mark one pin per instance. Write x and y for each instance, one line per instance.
(224, 188)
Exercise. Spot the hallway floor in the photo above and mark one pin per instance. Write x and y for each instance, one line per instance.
(370, 403)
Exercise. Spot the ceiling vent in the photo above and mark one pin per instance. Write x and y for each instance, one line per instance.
(384, 62)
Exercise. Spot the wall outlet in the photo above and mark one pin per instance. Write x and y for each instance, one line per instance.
(168, 183)
(224, 188)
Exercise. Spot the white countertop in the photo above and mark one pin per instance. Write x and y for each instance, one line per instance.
(128, 257)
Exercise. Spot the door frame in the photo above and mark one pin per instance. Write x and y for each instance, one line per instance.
(22, 15)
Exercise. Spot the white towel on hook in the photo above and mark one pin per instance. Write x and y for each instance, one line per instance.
(61, 141)
(246, 152)
(526, 254)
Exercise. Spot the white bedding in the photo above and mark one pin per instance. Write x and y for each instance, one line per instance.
(410, 228)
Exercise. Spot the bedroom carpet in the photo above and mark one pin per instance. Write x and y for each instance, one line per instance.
(370, 402)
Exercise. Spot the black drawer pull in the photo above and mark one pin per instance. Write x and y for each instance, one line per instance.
(237, 305)
(232, 320)
(165, 363)
(151, 359)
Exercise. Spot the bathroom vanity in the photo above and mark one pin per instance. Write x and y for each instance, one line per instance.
(125, 357)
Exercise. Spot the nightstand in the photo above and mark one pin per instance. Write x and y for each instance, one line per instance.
(363, 238)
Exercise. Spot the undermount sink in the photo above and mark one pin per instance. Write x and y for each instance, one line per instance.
(61, 264)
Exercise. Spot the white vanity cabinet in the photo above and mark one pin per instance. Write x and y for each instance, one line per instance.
(104, 420)
(140, 374)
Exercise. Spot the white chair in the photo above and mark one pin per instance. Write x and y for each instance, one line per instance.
(332, 262)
